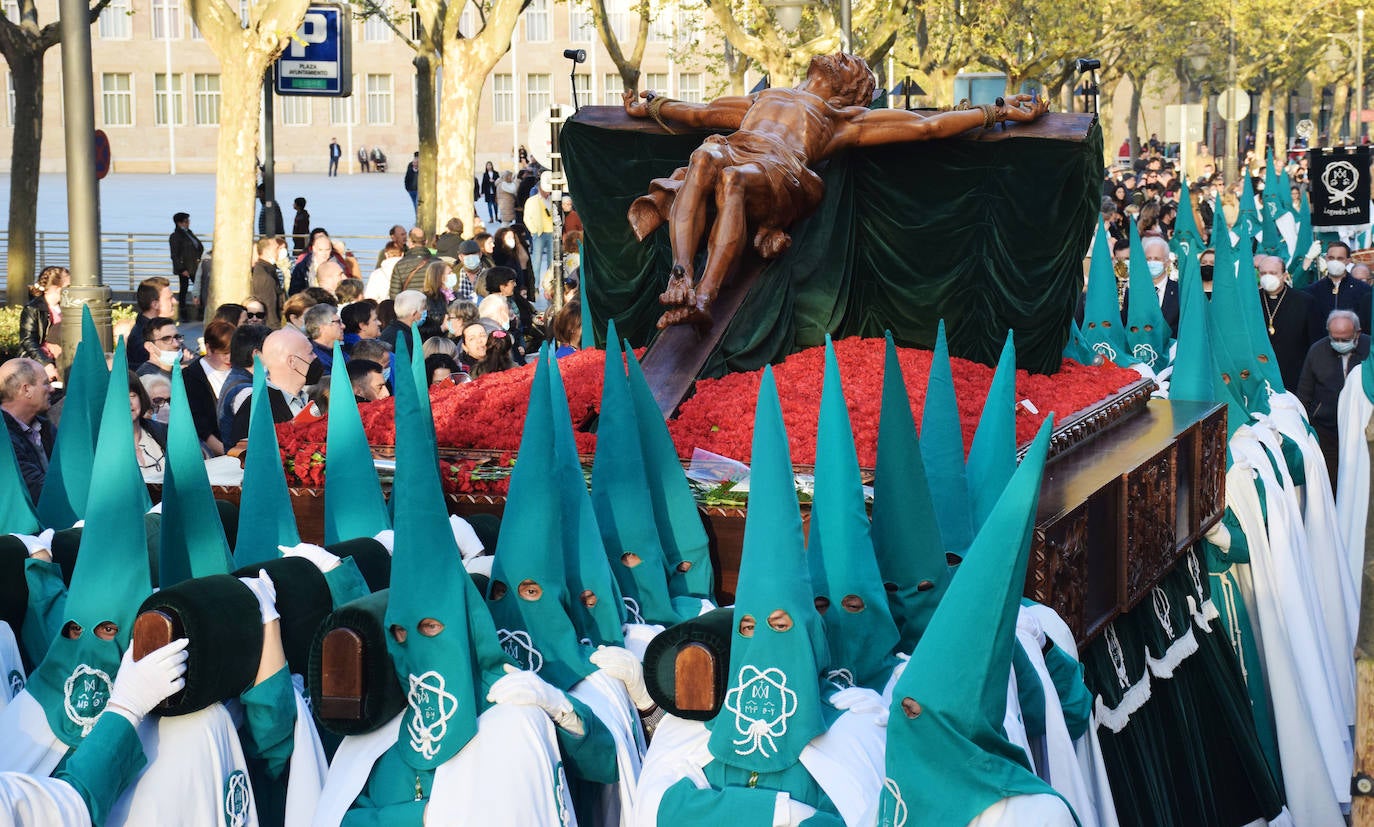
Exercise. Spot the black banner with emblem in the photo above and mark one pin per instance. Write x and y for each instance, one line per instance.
(1340, 185)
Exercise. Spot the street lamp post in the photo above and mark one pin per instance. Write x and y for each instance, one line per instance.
(1232, 168)
(1358, 128)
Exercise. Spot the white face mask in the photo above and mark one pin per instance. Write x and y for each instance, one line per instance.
(167, 358)
(1270, 283)
(1335, 269)
(451, 280)
(1156, 268)
(1342, 347)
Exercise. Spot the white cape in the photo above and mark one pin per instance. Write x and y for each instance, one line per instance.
(608, 700)
(511, 766)
(1352, 489)
(34, 801)
(308, 763)
(12, 675)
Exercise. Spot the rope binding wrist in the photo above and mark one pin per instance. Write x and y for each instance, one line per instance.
(655, 104)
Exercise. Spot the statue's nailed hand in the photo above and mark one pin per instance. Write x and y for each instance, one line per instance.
(635, 107)
(1025, 108)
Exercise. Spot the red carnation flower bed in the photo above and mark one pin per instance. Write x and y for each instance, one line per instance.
(489, 414)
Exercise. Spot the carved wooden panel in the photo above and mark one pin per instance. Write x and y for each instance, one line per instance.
(1058, 572)
(1209, 485)
(1150, 545)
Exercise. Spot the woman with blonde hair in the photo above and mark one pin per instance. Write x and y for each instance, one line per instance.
(40, 322)
(438, 289)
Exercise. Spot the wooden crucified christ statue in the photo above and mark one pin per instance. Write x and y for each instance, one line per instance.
(758, 180)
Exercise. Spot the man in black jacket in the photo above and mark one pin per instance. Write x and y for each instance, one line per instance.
(1289, 318)
(1337, 290)
(154, 298)
(291, 370)
(24, 391)
(1323, 377)
(186, 253)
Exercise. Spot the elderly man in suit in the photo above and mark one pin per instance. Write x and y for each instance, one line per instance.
(1323, 376)
(24, 390)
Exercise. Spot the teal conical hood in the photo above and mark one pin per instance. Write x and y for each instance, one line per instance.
(111, 577)
(1263, 362)
(353, 502)
(529, 596)
(942, 444)
(266, 520)
(1367, 373)
(1247, 220)
(1271, 241)
(778, 649)
(906, 533)
(680, 530)
(418, 373)
(598, 611)
(1194, 373)
(992, 457)
(1187, 240)
(948, 758)
(624, 508)
(1302, 276)
(844, 570)
(17, 514)
(1231, 351)
(1102, 325)
(1146, 331)
(63, 500)
(446, 675)
(193, 543)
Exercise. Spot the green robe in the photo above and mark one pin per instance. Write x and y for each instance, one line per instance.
(743, 799)
(104, 765)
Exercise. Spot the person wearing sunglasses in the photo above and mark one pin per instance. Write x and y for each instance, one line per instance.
(255, 312)
(165, 347)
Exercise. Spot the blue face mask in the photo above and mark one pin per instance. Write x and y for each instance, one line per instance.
(471, 261)
(1342, 347)
(1156, 268)
(424, 314)
(386, 374)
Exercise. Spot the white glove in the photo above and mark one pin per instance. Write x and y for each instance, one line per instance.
(265, 591)
(157, 509)
(861, 701)
(790, 813)
(622, 665)
(468, 544)
(323, 560)
(1219, 535)
(141, 685)
(638, 636)
(79, 524)
(35, 544)
(528, 689)
(387, 538)
(1028, 624)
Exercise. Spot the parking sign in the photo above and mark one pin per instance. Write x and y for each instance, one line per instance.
(319, 59)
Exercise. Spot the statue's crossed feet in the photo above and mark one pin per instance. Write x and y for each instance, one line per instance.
(679, 292)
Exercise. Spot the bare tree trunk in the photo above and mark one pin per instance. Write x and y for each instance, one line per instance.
(1281, 127)
(1266, 106)
(1133, 115)
(736, 65)
(462, 100)
(426, 216)
(235, 177)
(25, 154)
(1340, 113)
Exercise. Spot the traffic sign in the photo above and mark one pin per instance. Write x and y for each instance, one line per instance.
(103, 159)
(1233, 104)
(319, 59)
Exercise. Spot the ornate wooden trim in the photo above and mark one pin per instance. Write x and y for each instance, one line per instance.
(1058, 572)
(1149, 544)
(1090, 422)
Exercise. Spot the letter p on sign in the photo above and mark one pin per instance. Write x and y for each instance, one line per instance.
(313, 30)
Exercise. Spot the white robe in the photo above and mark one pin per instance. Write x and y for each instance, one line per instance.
(1314, 743)
(511, 766)
(1352, 489)
(35, 801)
(12, 675)
(610, 702)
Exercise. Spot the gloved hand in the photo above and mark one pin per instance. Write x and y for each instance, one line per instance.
(157, 509)
(622, 665)
(143, 684)
(528, 689)
(788, 812)
(1219, 535)
(468, 544)
(265, 591)
(36, 543)
(1028, 624)
(387, 538)
(323, 560)
(862, 701)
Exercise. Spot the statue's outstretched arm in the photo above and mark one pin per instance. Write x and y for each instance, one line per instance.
(721, 113)
(889, 126)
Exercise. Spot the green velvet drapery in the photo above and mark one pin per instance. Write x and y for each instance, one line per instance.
(988, 235)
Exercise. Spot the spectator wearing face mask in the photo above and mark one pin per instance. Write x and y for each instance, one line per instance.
(149, 413)
(1336, 290)
(1323, 376)
(164, 345)
(1288, 316)
(1166, 289)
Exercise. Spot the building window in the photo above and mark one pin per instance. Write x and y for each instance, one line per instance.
(167, 20)
(688, 33)
(375, 28)
(205, 89)
(114, 21)
(379, 100)
(537, 98)
(344, 111)
(117, 99)
(615, 88)
(9, 83)
(661, 25)
(689, 87)
(469, 23)
(537, 22)
(581, 24)
(415, 26)
(620, 17)
(11, 9)
(582, 84)
(503, 98)
(656, 81)
(169, 101)
(295, 110)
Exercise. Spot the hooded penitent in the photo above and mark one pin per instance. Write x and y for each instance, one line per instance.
(1186, 241)
(111, 578)
(1302, 276)
(17, 514)
(948, 758)
(445, 673)
(992, 457)
(778, 649)
(68, 480)
(1102, 325)
(942, 450)
(193, 543)
(598, 612)
(844, 571)
(1271, 240)
(911, 558)
(529, 596)
(680, 531)
(1147, 333)
(266, 519)
(353, 503)
(1247, 365)
(624, 508)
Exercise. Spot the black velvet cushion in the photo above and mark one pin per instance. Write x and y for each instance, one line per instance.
(371, 558)
(382, 693)
(303, 601)
(65, 545)
(712, 630)
(220, 618)
(229, 518)
(487, 527)
(14, 590)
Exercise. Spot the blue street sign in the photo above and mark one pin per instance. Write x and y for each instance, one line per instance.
(319, 59)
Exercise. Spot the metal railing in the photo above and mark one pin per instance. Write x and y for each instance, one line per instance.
(128, 258)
